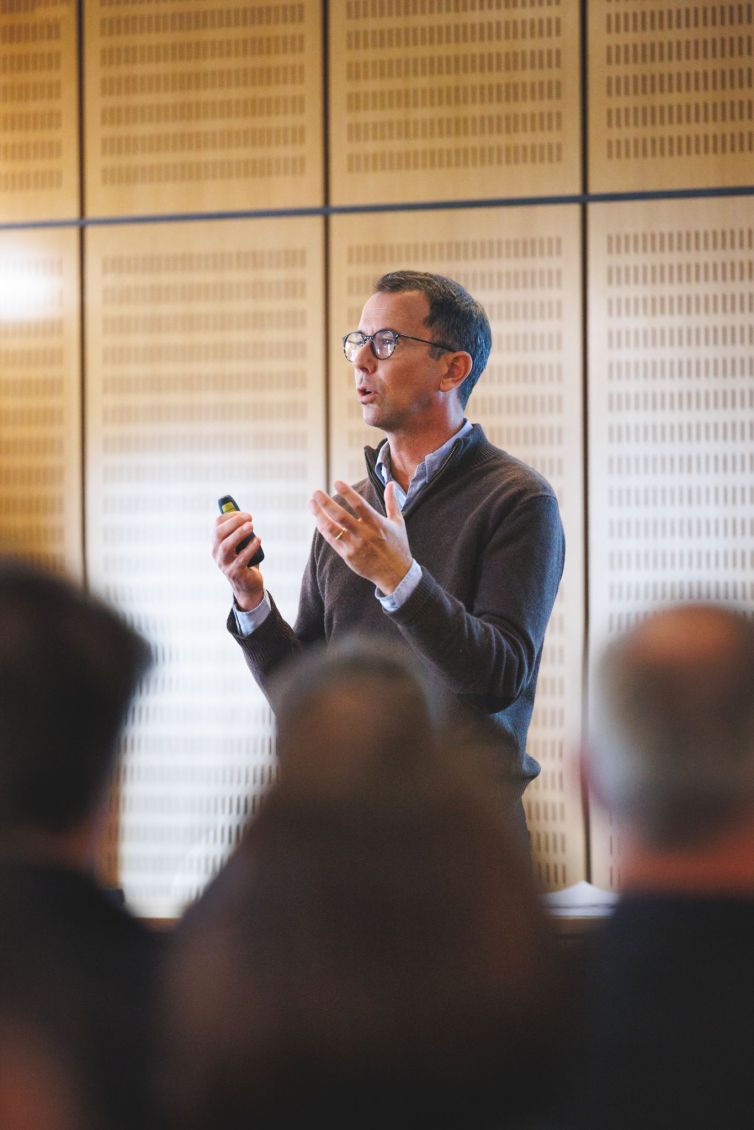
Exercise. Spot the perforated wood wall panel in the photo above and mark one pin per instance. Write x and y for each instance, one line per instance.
(442, 100)
(671, 409)
(205, 376)
(671, 101)
(39, 148)
(523, 265)
(205, 105)
(40, 398)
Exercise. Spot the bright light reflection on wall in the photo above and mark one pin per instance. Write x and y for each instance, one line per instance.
(29, 290)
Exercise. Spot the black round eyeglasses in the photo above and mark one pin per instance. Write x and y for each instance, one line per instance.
(383, 343)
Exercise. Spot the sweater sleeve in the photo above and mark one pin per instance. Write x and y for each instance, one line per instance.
(489, 653)
(275, 642)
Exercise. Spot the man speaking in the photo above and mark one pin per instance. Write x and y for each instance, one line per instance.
(449, 544)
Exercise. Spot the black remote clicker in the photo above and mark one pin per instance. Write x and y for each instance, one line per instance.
(228, 503)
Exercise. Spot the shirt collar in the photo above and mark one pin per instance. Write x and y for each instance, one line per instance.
(429, 465)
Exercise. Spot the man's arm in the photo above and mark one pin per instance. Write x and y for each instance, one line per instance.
(267, 641)
(489, 652)
(274, 641)
(486, 651)
(245, 581)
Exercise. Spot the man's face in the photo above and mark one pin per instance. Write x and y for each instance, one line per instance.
(399, 393)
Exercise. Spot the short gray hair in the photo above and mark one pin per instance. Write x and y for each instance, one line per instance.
(672, 723)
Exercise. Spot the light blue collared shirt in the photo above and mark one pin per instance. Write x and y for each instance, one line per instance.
(248, 622)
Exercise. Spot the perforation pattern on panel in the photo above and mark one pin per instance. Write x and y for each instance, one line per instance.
(441, 100)
(208, 105)
(671, 94)
(38, 110)
(40, 400)
(672, 410)
(205, 377)
(523, 265)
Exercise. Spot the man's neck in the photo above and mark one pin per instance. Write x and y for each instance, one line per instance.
(408, 450)
(723, 866)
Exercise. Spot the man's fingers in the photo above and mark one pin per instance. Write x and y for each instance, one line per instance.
(330, 517)
(358, 505)
(392, 509)
(230, 525)
(230, 539)
(339, 526)
(322, 505)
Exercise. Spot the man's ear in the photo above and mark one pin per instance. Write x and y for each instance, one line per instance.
(458, 367)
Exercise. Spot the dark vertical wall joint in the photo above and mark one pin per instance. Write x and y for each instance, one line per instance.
(82, 276)
(326, 224)
(584, 65)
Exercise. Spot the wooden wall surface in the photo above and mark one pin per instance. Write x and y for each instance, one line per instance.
(195, 200)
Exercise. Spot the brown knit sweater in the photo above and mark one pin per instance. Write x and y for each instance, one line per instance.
(487, 533)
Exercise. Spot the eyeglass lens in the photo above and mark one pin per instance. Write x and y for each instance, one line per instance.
(382, 343)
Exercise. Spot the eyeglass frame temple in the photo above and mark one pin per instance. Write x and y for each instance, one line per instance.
(398, 335)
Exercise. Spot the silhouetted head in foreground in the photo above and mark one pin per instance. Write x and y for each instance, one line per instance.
(673, 735)
(374, 954)
(69, 665)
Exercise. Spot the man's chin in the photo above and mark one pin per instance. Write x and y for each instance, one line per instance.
(370, 416)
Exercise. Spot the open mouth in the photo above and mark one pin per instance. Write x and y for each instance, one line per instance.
(365, 395)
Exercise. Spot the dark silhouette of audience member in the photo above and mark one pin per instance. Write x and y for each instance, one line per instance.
(670, 1016)
(35, 1092)
(374, 953)
(76, 969)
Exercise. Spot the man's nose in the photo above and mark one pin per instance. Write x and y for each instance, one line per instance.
(364, 358)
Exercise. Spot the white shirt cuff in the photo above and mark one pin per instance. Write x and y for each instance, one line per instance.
(402, 591)
(248, 622)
